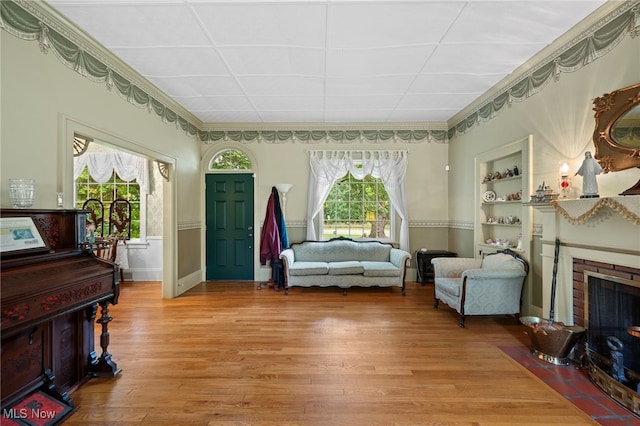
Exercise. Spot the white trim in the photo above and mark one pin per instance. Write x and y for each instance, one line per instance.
(67, 128)
(190, 281)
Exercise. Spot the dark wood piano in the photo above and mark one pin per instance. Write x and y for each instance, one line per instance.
(50, 298)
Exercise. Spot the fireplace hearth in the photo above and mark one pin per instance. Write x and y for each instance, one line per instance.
(607, 303)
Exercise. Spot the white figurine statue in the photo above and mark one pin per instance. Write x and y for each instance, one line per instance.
(588, 170)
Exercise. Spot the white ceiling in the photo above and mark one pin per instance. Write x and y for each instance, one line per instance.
(325, 61)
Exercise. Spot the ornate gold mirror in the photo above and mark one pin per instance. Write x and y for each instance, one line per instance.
(617, 133)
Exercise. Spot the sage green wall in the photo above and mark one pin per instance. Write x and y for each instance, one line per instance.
(188, 251)
(560, 118)
(461, 241)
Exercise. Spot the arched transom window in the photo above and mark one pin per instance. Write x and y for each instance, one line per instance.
(230, 159)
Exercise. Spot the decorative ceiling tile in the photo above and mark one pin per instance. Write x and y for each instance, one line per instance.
(377, 62)
(327, 61)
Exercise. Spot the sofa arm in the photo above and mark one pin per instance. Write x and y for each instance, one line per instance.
(453, 267)
(399, 257)
(287, 256)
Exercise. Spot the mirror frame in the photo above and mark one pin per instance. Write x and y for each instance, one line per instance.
(609, 108)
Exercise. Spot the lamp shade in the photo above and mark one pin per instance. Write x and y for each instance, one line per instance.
(283, 188)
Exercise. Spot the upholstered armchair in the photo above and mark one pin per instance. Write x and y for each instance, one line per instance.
(489, 286)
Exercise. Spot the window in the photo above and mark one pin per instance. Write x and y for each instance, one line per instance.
(230, 160)
(357, 208)
(87, 187)
(377, 201)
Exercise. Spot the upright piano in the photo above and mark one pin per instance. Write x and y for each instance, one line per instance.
(52, 296)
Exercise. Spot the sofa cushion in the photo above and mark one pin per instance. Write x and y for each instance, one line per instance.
(449, 285)
(309, 268)
(339, 250)
(345, 268)
(500, 261)
(380, 269)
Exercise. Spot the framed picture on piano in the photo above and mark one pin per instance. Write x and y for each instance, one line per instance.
(20, 235)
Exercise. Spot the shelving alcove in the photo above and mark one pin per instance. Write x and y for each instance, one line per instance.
(492, 217)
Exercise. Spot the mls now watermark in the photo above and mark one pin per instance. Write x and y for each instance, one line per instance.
(28, 413)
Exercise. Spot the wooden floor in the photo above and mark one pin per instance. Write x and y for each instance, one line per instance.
(231, 354)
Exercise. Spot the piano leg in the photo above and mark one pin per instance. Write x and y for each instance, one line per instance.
(104, 366)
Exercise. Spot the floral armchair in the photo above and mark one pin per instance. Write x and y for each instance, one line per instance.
(489, 286)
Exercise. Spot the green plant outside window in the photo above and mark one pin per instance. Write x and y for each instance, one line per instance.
(87, 187)
(357, 209)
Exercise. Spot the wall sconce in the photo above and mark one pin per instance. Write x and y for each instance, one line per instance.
(565, 181)
(446, 168)
(283, 188)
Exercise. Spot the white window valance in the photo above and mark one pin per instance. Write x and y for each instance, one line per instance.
(102, 165)
(329, 166)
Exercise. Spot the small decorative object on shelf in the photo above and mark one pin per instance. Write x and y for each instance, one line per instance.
(565, 181)
(519, 239)
(543, 194)
(588, 170)
(489, 196)
(499, 242)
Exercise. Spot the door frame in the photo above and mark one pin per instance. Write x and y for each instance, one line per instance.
(68, 127)
(208, 153)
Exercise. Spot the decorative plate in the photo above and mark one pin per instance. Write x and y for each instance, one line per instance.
(489, 196)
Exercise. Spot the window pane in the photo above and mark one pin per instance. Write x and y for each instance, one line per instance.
(87, 188)
(231, 160)
(357, 209)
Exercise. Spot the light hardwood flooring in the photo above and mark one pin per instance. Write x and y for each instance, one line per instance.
(228, 353)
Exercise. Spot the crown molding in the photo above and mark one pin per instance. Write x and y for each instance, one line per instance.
(425, 131)
(58, 22)
(597, 19)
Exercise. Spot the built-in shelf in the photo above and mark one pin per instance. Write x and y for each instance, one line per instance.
(507, 197)
(493, 203)
(502, 180)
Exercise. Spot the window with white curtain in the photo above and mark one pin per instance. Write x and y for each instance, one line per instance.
(114, 188)
(106, 174)
(371, 167)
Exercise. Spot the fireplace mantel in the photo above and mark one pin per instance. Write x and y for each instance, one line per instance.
(599, 230)
(582, 210)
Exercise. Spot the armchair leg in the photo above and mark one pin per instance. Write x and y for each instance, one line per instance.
(461, 324)
(435, 304)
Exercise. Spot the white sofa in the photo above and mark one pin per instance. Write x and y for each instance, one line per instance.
(488, 286)
(344, 263)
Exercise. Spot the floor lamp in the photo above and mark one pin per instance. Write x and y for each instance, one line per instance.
(283, 188)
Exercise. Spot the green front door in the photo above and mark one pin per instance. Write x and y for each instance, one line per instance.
(229, 212)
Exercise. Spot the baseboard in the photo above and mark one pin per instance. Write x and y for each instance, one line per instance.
(140, 274)
(190, 281)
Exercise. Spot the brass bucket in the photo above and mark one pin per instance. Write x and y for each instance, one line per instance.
(552, 342)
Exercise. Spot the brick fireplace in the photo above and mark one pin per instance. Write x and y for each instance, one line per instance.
(621, 286)
(580, 266)
(598, 238)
